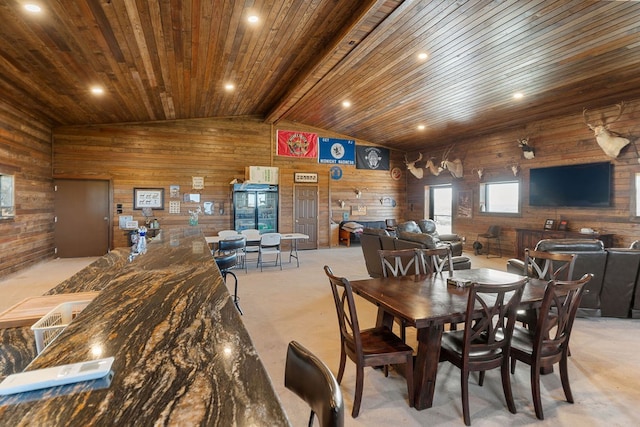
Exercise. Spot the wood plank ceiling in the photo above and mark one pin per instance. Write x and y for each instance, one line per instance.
(165, 60)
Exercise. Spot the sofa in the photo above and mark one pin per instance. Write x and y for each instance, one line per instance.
(349, 231)
(424, 231)
(612, 292)
(372, 240)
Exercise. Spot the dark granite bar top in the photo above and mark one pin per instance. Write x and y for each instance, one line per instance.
(182, 354)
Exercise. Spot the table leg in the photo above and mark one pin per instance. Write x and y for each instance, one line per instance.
(294, 249)
(426, 365)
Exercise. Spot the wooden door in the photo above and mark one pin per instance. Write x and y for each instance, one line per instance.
(82, 218)
(306, 214)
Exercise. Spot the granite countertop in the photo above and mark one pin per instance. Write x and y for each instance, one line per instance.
(182, 354)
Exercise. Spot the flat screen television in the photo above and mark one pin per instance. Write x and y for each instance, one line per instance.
(582, 185)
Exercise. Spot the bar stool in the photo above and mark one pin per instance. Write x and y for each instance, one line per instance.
(225, 264)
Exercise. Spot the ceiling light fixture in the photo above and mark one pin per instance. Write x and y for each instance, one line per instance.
(229, 87)
(346, 104)
(421, 127)
(97, 90)
(252, 19)
(518, 95)
(423, 55)
(33, 8)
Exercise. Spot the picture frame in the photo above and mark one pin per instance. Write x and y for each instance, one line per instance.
(562, 225)
(550, 224)
(464, 208)
(148, 198)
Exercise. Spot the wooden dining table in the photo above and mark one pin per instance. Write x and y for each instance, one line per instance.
(428, 303)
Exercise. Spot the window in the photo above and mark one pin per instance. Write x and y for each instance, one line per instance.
(7, 208)
(500, 197)
(636, 208)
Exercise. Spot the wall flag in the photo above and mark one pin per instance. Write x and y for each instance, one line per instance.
(297, 144)
(368, 157)
(337, 151)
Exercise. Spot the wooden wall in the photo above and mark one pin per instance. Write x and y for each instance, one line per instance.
(561, 141)
(25, 152)
(167, 153)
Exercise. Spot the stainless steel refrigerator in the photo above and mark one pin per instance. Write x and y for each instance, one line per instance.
(255, 206)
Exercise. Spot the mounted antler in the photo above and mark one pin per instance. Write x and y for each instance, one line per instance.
(479, 172)
(527, 151)
(432, 167)
(610, 142)
(411, 166)
(515, 169)
(455, 166)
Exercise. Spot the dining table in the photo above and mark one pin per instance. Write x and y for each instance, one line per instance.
(428, 303)
(293, 237)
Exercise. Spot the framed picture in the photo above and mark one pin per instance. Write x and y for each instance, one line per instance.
(148, 198)
(464, 208)
(562, 225)
(550, 224)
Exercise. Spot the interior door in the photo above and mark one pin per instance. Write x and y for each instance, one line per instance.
(306, 214)
(82, 218)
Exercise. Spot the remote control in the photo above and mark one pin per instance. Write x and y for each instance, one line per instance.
(55, 376)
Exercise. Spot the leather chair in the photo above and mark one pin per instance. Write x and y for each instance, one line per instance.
(309, 378)
(548, 342)
(485, 341)
(377, 346)
(428, 227)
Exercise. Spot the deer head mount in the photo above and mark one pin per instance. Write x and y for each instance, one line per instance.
(527, 151)
(515, 169)
(431, 167)
(610, 142)
(411, 166)
(453, 166)
(479, 172)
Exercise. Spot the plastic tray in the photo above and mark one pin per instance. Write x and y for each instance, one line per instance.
(53, 323)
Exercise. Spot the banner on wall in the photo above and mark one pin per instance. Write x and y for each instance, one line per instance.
(368, 157)
(297, 144)
(337, 151)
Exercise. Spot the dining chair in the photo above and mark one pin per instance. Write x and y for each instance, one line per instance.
(270, 245)
(548, 344)
(311, 380)
(377, 346)
(546, 266)
(436, 260)
(227, 233)
(484, 342)
(492, 233)
(253, 242)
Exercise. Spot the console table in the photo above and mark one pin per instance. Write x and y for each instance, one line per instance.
(527, 238)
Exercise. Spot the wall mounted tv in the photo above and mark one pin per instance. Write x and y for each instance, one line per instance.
(582, 185)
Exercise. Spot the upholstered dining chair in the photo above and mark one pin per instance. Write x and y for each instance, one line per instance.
(484, 342)
(311, 380)
(377, 346)
(270, 245)
(548, 343)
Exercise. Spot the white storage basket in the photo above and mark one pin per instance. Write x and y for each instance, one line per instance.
(54, 322)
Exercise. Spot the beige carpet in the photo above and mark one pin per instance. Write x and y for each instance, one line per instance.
(296, 304)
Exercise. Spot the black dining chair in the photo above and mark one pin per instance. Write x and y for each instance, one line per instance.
(548, 343)
(484, 342)
(492, 233)
(309, 378)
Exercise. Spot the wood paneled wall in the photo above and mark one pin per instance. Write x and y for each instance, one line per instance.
(25, 152)
(561, 141)
(162, 154)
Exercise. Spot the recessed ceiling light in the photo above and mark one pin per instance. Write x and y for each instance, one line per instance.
(346, 104)
(252, 19)
(229, 86)
(422, 56)
(421, 127)
(31, 7)
(518, 95)
(97, 90)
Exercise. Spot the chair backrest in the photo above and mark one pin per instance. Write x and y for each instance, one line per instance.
(227, 233)
(494, 231)
(556, 315)
(231, 244)
(490, 331)
(270, 240)
(399, 262)
(309, 378)
(347, 315)
(548, 265)
(436, 260)
(251, 233)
